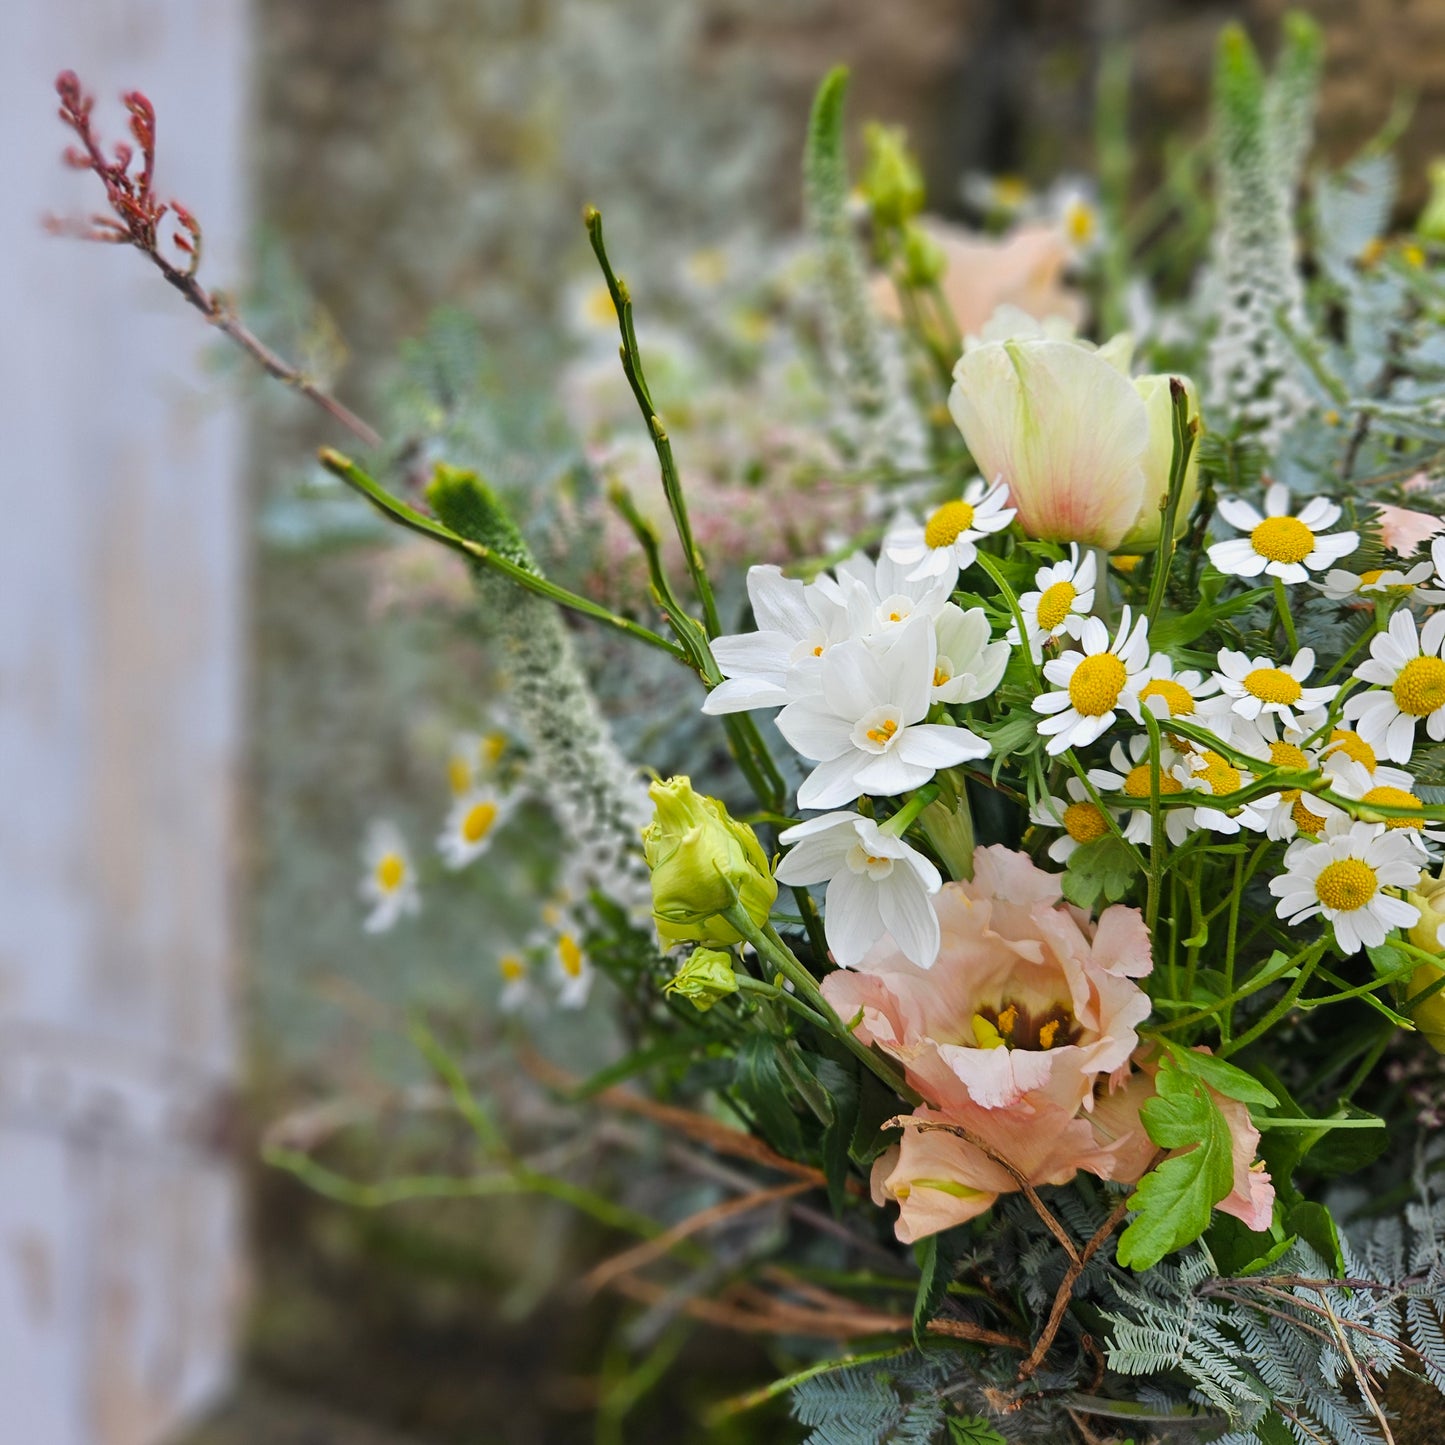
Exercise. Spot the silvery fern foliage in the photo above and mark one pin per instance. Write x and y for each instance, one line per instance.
(1261, 138)
(879, 418)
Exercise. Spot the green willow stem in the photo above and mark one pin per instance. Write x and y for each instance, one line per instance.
(903, 819)
(1156, 818)
(398, 511)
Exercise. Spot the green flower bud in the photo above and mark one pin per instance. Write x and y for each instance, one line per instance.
(1431, 225)
(924, 261)
(892, 183)
(1428, 1015)
(702, 862)
(706, 976)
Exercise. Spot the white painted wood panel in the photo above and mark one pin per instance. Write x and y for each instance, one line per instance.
(121, 646)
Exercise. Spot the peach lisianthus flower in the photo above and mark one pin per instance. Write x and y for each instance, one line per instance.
(981, 273)
(1027, 996)
(938, 1178)
(1405, 531)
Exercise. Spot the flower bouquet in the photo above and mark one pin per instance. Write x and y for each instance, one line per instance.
(1061, 925)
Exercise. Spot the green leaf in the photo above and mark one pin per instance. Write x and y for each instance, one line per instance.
(1221, 1076)
(763, 1087)
(1170, 633)
(1272, 1430)
(841, 1086)
(972, 1430)
(876, 1105)
(934, 1272)
(1239, 1250)
(1315, 1225)
(1344, 1151)
(1176, 1201)
(1104, 868)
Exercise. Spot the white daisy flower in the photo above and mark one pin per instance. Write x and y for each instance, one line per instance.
(389, 887)
(1340, 585)
(1062, 599)
(1081, 818)
(561, 943)
(1133, 776)
(1346, 877)
(1256, 685)
(1437, 558)
(1409, 672)
(1212, 774)
(1094, 684)
(1395, 789)
(948, 541)
(967, 666)
(1289, 812)
(473, 818)
(516, 982)
(1283, 546)
(1169, 693)
(866, 729)
(1345, 746)
(877, 884)
(472, 759)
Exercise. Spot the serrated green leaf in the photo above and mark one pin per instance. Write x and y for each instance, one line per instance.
(934, 1272)
(1104, 868)
(1221, 1076)
(1175, 1202)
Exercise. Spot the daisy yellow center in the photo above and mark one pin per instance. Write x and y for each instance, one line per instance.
(1352, 745)
(493, 746)
(1175, 695)
(947, 524)
(1304, 820)
(883, 734)
(1272, 684)
(1395, 798)
(1056, 604)
(512, 967)
(1372, 576)
(390, 870)
(1347, 884)
(1282, 539)
(1286, 755)
(478, 822)
(1221, 775)
(1096, 684)
(1084, 822)
(459, 775)
(1420, 688)
(569, 951)
(1137, 782)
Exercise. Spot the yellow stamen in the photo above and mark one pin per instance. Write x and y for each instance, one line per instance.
(1272, 684)
(390, 870)
(941, 677)
(1396, 798)
(1175, 695)
(1055, 605)
(1346, 885)
(569, 952)
(478, 822)
(1084, 822)
(1096, 684)
(1137, 782)
(883, 733)
(1420, 687)
(1221, 775)
(947, 524)
(1007, 1019)
(1282, 539)
(1048, 1033)
(986, 1034)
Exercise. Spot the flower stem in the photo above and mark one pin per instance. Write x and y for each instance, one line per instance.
(1286, 617)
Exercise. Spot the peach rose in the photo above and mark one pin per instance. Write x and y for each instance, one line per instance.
(1027, 997)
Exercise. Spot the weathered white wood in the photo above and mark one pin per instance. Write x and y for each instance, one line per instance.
(121, 546)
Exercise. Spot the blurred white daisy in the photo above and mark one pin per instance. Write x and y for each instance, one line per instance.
(473, 758)
(572, 969)
(1062, 598)
(1409, 673)
(389, 886)
(1283, 546)
(516, 982)
(1094, 684)
(470, 824)
(948, 541)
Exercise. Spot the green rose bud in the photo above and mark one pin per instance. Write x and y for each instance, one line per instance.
(1429, 1014)
(706, 976)
(1431, 225)
(702, 862)
(923, 258)
(892, 184)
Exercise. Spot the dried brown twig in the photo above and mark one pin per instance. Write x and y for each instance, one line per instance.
(136, 218)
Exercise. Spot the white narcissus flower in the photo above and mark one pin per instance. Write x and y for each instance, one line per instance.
(948, 541)
(877, 884)
(1094, 684)
(1060, 425)
(1409, 674)
(967, 665)
(1346, 877)
(389, 886)
(1063, 597)
(1278, 544)
(1256, 685)
(866, 729)
(472, 821)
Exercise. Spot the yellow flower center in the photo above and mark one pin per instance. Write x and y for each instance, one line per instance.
(1055, 605)
(1137, 782)
(569, 952)
(1286, 755)
(1352, 745)
(1272, 684)
(1096, 684)
(1282, 539)
(1372, 576)
(1083, 822)
(1420, 688)
(1176, 696)
(493, 746)
(1221, 775)
(1346, 885)
(478, 822)
(390, 870)
(1395, 589)
(1080, 223)
(459, 775)
(512, 967)
(947, 523)
(883, 733)
(1396, 798)
(941, 677)
(1306, 821)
